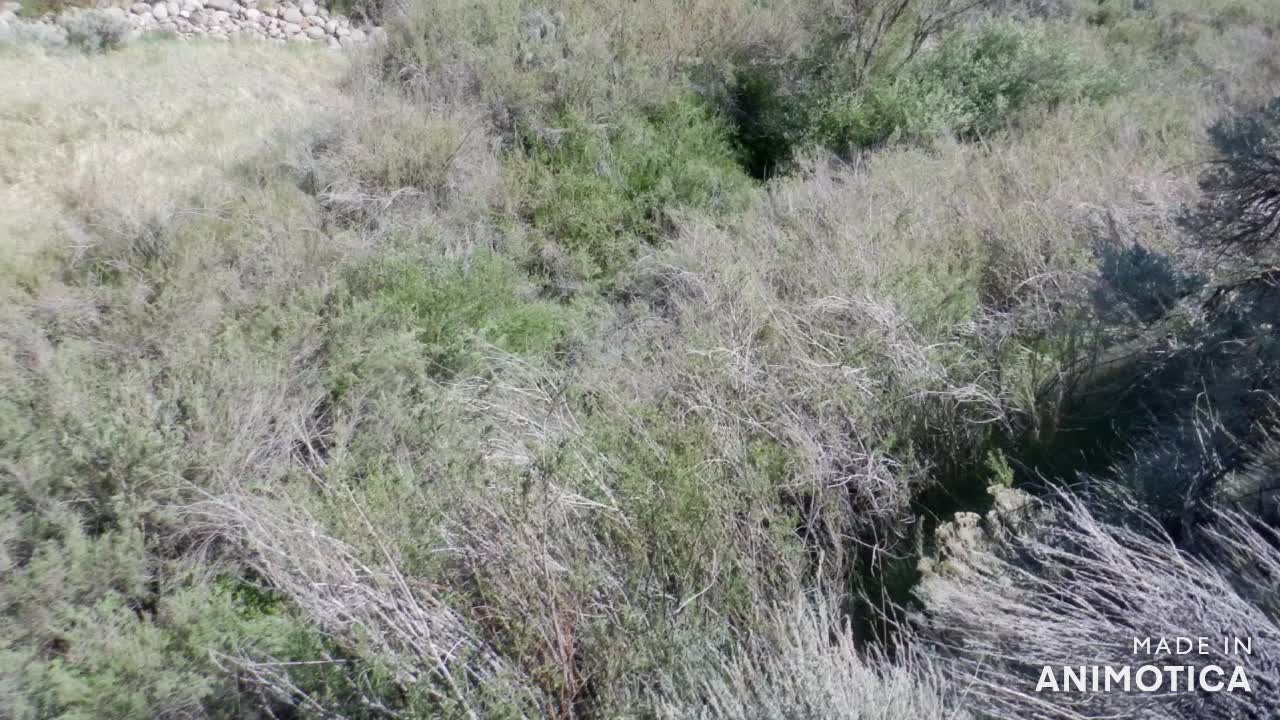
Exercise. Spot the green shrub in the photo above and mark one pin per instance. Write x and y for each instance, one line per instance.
(601, 190)
(975, 83)
(771, 118)
(452, 308)
(174, 655)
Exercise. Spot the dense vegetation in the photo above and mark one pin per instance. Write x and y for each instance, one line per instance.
(604, 359)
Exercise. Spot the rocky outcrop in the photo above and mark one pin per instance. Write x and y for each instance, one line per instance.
(304, 22)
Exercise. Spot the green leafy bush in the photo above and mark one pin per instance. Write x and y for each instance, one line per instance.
(975, 83)
(601, 190)
(771, 118)
(452, 307)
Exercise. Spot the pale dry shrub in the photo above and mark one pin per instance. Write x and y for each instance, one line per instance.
(94, 30)
(525, 64)
(137, 134)
(806, 664)
(1066, 586)
(397, 620)
(392, 162)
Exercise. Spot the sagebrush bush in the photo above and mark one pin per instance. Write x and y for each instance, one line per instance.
(94, 30)
(1239, 208)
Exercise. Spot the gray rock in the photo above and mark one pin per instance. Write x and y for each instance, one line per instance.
(309, 9)
(220, 17)
(116, 12)
(331, 27)
(224, 5)
(292, 28)
(253, 15)
(315, 33)
(357, 35)
(140, 8)
(160, 12)
(292, 15)
(342, 31)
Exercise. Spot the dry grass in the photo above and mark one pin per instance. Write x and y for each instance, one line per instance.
(144, 132)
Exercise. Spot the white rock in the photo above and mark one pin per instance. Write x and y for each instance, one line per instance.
(220, 17)
(342, 31)
(331, 27)
(357, 35)
(116, 12)
(168, 26)
(252, 15)
(160, 12)
(315, 33)
(298, 38)
(309, 9)
(140, 8)
(223, 5)
(292, 28)
(334, 44)
(184, 14)
(173, 7)
(291, 15)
